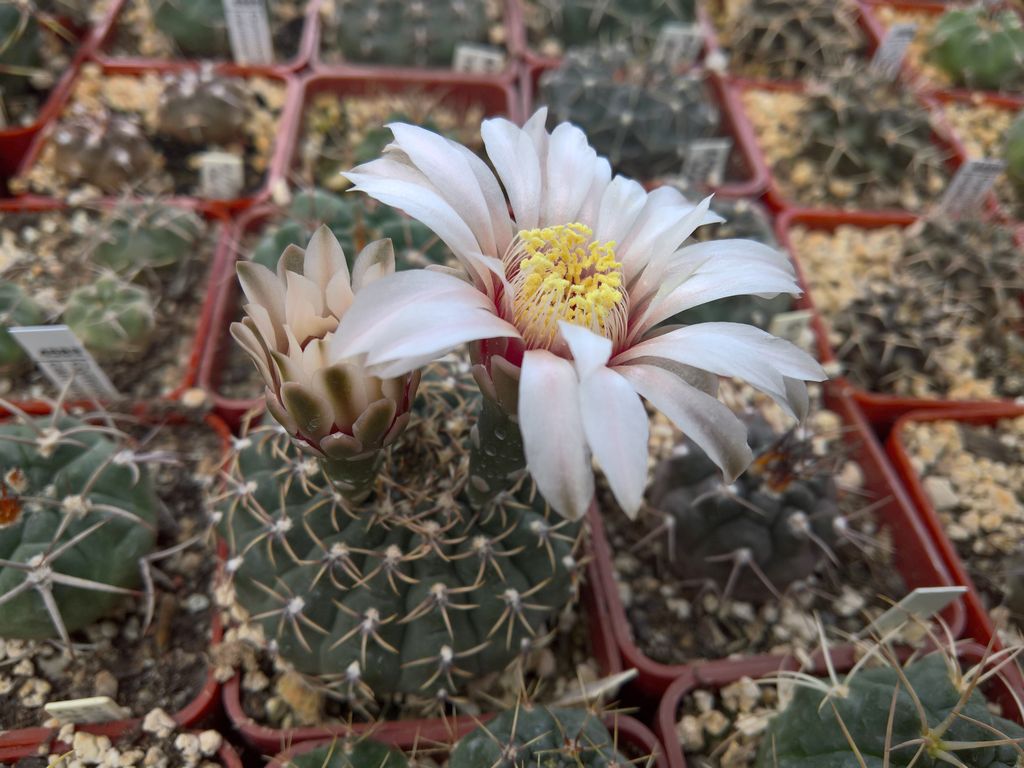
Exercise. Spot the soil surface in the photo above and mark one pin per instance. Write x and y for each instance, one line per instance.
(23, 106)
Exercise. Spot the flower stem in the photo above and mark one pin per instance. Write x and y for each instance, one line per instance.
(353, 478)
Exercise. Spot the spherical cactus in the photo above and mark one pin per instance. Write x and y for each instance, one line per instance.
(933, 723)
(771, 528)
(980, 48)
(540, 736)
(19, 46)
(581, 22)
(15, 309)
(198, 28)
(1014, 154)
(146, 236)
(110, 317)
(350, 753)
(106, 150)
(77, 517)
(74, 11)
(200, 108)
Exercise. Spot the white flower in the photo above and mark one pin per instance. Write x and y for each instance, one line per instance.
(570, 288)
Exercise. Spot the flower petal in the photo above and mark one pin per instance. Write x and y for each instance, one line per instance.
(621, 203)
(323, 259)
(514, 157)
(590, 351)
(570, 171)
(373, 262)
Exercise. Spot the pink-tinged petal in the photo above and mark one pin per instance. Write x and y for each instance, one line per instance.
(338, 295)
(375, 261)
(570, 171)
(497, 205)
(324, 258)
(592, 203)
(621, 203)
(536, 129)
(271, 336)
(514, 157)
(590, 351)
(552, 429)
(304, 308)
(702, 418)
(616, 426)
(251, 343)
(659, 230)
(261, 287)
(292, 259)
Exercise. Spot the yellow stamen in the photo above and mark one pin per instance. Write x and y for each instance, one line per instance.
(560, 273)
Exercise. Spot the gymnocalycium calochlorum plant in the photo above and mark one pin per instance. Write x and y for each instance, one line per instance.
(421, 529)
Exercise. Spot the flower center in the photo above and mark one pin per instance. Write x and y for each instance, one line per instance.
(560, 273)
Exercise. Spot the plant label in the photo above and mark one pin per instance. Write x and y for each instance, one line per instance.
(477, 59)
(968, 189)
(605, 688)
(706, 160)
(893, 49)
(249, 31)
(97, 709)
(221, 175)
(922, 604)
(678, 44)
(62, 359)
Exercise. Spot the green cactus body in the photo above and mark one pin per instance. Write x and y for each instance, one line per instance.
(642, 118)
(548, 737)
(200, 108)
(1015, 154)
(198, 28)
(980, 49)
(776, 515)
(106, 150)
(410, 592)
(15, 309)
(350, 754)
(74, 11)
(807, 733)
(19, 46)
(75, 499)
(581, 22)
(110, 317)
(407, 33)
(147, 237)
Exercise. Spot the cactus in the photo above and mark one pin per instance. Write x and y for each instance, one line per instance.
(400, 33)
(926, 714)
(105, 150)
(110, 317)
(581, 22)
(774, 526)
(198, 28)
(200, 108)
(637, 114)
(15, 309)
(361, 753)
(540, 736)
(19, 46)
(793, 39)
(78, 516)
(146, 236)
(1014, 154)
(980, 48)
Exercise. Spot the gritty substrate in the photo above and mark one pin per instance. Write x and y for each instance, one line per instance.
(47, 255)
(162, 666)
(22, 107)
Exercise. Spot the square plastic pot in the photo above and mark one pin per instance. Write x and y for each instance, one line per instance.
(917, 560)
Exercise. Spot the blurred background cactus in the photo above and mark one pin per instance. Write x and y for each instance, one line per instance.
(201, 107)
(585, 22)
(196, 27)
(1014, 154)
(112, 318)
(349, 753)
(107, 150)
(980, 48)
(144, 236)
(16, 309)
(19, 46)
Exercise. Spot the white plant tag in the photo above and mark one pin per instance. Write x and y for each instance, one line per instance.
(249, 31)
(221, 175)
(478, 59)
(98, 709)
(62, 358)
(968, 189)
(599, 689)
(893, 49)
(678, 44)
(922, 603)
(706, 160)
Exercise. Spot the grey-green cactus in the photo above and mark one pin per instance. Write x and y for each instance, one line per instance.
(19, 46)
(74, 11)
(582, 22)
(16, 308)
(1014, 154)
(639, 115)
(979, 48)
(112, 318)
(350, 753)
(928, 714)
(78, 515)
(106, 150)
(198, 28)
(199, 107)
(144, 236)
(540, 736)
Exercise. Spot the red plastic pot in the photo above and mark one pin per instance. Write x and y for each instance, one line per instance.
(626, 732)
(979, 624)
(881, 410)
(406, 733)
(226, 755)
(917, 560)
(206, 703)
(752, 174)
(221, 261)
(307, 43)
(278, 161)
(1005, 689)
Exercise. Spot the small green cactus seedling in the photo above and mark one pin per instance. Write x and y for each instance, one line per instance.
(927, 713)
(532, 735)
(75, 11)
(1015, 154)
(106, 150)
(350, 753)
(77, 516)
(146, 236)
(200, 107)
(639, 115)
(979, 48)
(110, 317)
(198, 28)
(15, 309)
(582, 22)
(19, 46)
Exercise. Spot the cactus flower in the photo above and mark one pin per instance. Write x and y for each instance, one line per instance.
(335, 411)
(568, 273)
